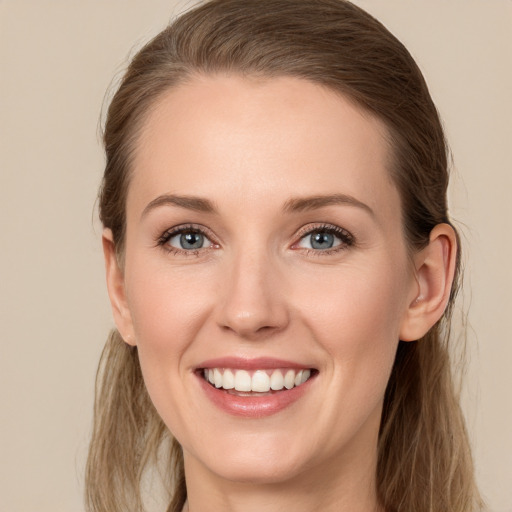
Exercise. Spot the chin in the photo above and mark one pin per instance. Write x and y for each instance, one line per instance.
(257, 471)
(264, 463)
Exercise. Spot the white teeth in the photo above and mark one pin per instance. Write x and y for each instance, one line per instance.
(243, 381)
(289, 379)
(276, 381)
(228, 380)
(261, 381)
(217, 377)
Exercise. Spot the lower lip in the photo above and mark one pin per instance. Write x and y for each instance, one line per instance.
(254, 406)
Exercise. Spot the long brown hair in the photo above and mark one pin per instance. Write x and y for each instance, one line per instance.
(424, 460)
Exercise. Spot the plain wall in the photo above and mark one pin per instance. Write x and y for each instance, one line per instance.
(57, 59)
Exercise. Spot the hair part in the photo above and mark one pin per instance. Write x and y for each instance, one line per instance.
(424, 461)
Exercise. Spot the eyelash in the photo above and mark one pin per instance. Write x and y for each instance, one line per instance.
(187, 228)
(346, 238)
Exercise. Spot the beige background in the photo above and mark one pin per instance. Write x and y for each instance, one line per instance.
(57, 58)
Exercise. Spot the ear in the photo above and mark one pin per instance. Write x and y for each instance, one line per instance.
(434, 271)
(116, 289)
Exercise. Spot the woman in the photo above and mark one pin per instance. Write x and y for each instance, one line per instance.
(281, 268)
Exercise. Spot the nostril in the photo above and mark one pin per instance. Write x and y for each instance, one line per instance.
(255, 324)
(252, 332)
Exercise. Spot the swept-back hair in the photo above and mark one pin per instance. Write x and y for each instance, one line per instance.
(424, 461)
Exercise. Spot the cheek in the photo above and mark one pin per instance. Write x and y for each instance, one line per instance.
(166, 308)
(166, 305)
(357, 302)
(356, 317)
(359, 331)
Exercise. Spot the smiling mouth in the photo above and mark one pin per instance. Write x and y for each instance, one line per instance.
(258, 382)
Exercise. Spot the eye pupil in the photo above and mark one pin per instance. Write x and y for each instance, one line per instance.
(191, 240)
(322, 240)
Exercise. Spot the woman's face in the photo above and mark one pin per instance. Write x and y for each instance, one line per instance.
(264, 239)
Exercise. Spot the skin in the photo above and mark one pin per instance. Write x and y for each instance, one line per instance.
(256, 289)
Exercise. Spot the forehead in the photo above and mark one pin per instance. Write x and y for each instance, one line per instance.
(260, 139)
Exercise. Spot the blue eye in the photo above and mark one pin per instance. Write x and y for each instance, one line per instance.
(322, 240)
(319, 240)
(325, 239)
(186, 240)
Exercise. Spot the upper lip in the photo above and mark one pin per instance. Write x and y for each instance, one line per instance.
(258, 363)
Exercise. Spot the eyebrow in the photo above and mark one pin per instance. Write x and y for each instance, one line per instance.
(302, 204)
(197, 204)
(297, 204)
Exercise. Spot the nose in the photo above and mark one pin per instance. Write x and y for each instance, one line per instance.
(252, 297)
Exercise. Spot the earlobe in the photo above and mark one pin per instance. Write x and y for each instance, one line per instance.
(116, 289)
(434, 272)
